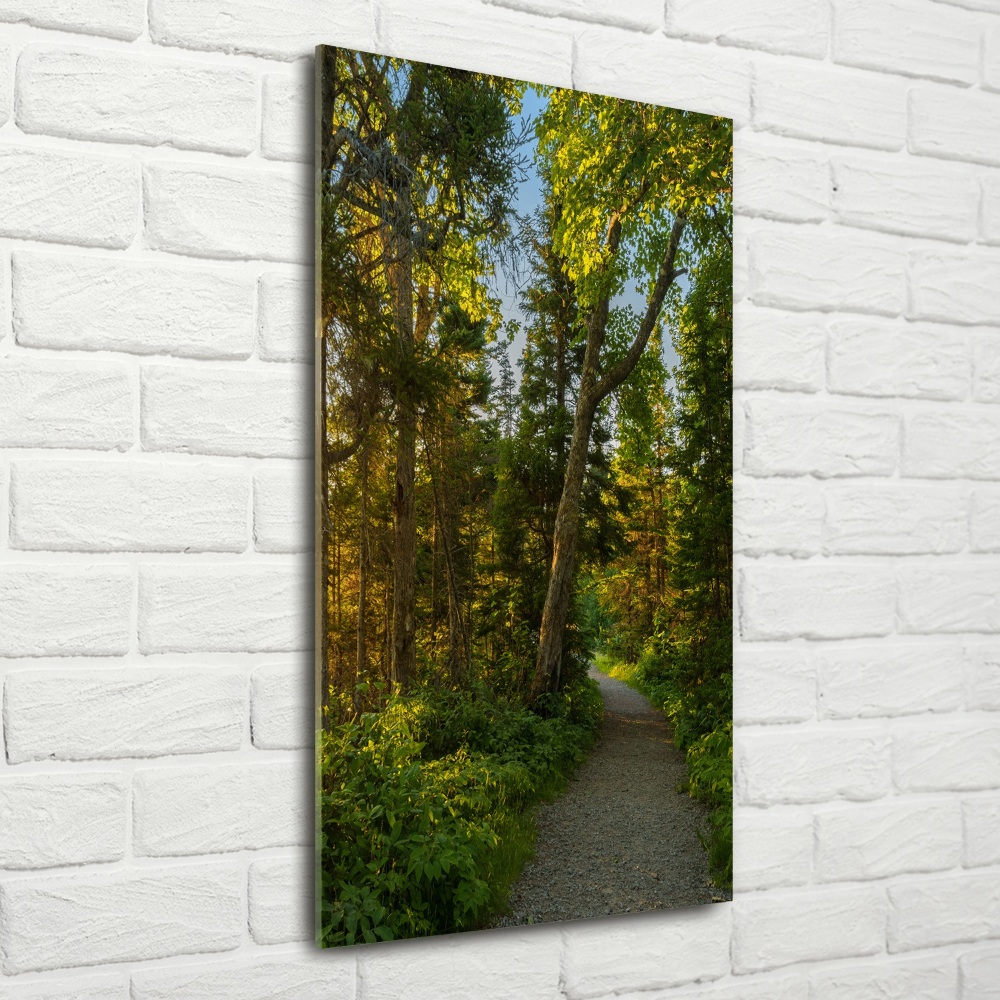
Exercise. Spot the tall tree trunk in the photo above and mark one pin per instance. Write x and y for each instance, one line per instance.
(362, 657)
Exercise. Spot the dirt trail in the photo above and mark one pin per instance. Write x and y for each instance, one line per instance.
(620, 839)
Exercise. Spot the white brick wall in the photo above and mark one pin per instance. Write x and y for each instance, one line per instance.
(155, 525)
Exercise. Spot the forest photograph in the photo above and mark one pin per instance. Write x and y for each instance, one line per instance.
(524, 502)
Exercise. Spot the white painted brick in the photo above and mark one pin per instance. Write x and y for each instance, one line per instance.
(227, 411)
(660, 954)
(282, 508)
(773, 685)
(838, 923)
(796, 437)
(100, 304)
(986, 368)
(925, 979)
(914, 38)
(146, 712)
(281, 706)
(226, 212)
(734, 988)
(643, 14)
(771, 849)
(69, 197)
(6, 81)
(962, 597)
(280, 898)
(911, 197)
(780, 516)
(874, 681)
(983, 680)
(948, 756)
(980, 974)
(118, 506)
(954, 124)
(806, 267)
(474, 969)
(944, 910)
(778, 350)
(286, 116)
(990, 218)
(894, 518)
(113, 987)
(796, 26)
(50, 820)
(954, 286)
(832, 105)
(991, 56)
(261, 608)
(741, 258)
(816, 766)
(873, 357)
(946, 444)
(112, 97)
(122, 916)
(260, 27)
(114, 18)
(331, 978)
(54, 611)
(58, 404)
(210, 810)
(980, 823)
(869, 842)
(663, 70)
(778, 179)
(285, 329)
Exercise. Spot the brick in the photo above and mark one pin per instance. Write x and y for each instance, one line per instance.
(774, 685)
(953, 597)
(286, 117)
(771, 849)
(280, 901)
(113, 987)
(801, 28)
(114, 18)
(877, 681)
(80, 715)
(50, 610)
(990, 216)
(895, 519)
(228, 608)
(124, 916)
(872, 357)
(660, 954)
(837, 923)
(980, 974)
(831, 105)
(915, 39)
(329, 979)
(798, 267)
(115, 97)
(983, 677)
(926, 979)
(868, 842)
(736, 988)
(62, 819)
(817, 766)
(980, 822)
(128, 507)
(986, 368)
(664, 71)
(281, 709)
(947, 444)
(92, 201)
(227, 411)
(912, 197)
(991, 54)
(777, 179)
(797, 438)
(285, 329)
(97, 304)
(6, 84)
(783, 601)
(741, 259)
(646, 15)
(252, 26)
(946, 757)
(954, 286)
(946, 910)
(55, 404)
(777, 516)
(954, 124)
(227, 213)
(778, 350)
(282, 509)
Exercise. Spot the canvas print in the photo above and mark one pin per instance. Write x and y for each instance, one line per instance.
(524, 502)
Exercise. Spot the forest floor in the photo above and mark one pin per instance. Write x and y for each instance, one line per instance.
(621, 839)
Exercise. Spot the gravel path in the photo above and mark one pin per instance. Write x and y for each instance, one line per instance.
(621, 838)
